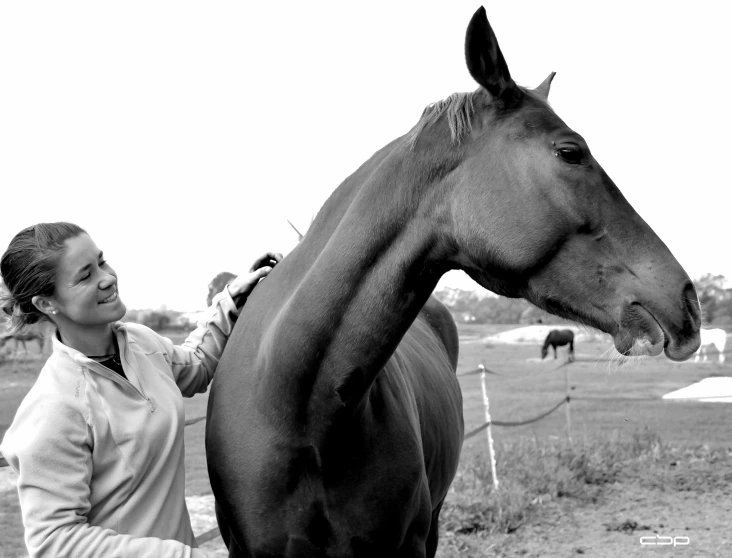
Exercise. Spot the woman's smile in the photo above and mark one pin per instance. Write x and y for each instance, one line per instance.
(110, 298)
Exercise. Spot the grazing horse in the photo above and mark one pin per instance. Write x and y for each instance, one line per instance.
(334, 423)
(559, 338)
(716, 337)
(23, 338)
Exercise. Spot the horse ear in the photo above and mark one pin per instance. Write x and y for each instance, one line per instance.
(485, 60)
(543, 89)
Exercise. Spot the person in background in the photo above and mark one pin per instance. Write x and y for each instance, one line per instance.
(98, 441)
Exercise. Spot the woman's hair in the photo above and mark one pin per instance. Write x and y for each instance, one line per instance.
(28, 268)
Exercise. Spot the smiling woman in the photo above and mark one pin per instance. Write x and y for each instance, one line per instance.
(85, 301)
(98, 441)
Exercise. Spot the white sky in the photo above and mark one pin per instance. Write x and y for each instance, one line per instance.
(182, 134)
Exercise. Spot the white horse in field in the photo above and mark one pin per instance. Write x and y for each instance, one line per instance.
(716, 337)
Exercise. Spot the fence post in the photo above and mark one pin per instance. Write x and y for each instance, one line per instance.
(491, 452)
(568, 399)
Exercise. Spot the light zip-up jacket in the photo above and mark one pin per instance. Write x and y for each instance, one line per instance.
(100, 457)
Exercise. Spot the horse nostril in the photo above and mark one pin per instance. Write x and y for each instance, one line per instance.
(691, 302)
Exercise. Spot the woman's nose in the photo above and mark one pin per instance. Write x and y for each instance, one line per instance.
(108, 281)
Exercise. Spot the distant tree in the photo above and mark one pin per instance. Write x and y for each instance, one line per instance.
(534, 315)
(479, 308)
(217, 285)
(499, 310)
(156, 319)
(715, 300)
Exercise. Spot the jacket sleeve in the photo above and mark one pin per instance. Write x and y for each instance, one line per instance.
(194, 362)
(49, 445)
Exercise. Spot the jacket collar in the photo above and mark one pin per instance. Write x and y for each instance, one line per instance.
(60, 350)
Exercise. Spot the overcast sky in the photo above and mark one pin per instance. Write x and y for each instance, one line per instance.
(182, 135)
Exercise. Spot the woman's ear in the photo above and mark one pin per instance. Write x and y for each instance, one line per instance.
(44, 305)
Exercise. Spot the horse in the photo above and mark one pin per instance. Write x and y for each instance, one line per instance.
(22, 338)
(334, 421)
(716, 337)
(559, 338)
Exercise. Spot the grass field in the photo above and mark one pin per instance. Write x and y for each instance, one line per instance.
(638, 465)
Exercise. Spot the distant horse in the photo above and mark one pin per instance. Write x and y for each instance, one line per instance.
(709, 337)
(559, 338)
(23, 338)
(335, 422)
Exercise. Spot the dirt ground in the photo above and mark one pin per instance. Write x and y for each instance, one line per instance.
(613, 527)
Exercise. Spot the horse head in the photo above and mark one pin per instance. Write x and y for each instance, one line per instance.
(529, 212)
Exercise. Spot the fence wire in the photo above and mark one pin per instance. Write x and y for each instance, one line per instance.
(516, 423)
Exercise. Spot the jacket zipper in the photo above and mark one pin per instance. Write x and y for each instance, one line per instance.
(123, 356)
(112, 375)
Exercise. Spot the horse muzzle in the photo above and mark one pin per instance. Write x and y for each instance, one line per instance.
(647, 330)
(639, 333)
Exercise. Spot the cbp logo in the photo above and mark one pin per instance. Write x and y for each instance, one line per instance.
(660, 540)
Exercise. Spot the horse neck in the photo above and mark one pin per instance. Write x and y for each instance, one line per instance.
(365, 283)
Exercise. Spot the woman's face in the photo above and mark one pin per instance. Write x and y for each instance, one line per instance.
(86, 286)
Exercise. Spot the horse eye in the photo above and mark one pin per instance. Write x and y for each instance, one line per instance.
(570, 155)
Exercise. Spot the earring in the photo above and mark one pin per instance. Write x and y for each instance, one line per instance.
(54, 311)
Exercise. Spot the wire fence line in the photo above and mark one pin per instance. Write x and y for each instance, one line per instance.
(516, 423)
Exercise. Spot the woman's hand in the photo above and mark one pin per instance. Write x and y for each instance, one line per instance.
(244, 284)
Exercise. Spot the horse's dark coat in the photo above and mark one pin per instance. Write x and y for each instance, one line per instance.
(559, 338)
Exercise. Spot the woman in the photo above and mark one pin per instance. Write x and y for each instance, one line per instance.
(98, 440)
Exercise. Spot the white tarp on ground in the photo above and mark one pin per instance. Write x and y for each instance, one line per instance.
(717, 389)
(537, 334)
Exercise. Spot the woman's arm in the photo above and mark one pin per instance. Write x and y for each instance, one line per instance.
(195, 361)
(49, 445)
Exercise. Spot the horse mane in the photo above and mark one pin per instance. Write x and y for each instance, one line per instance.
(458, 109)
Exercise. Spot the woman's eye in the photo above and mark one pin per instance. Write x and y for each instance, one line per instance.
(86, 277)
(570, 155)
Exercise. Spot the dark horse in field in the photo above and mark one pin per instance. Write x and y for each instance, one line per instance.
(559, 338)
(335, 417)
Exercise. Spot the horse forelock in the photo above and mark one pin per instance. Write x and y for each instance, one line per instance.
(458, 108)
